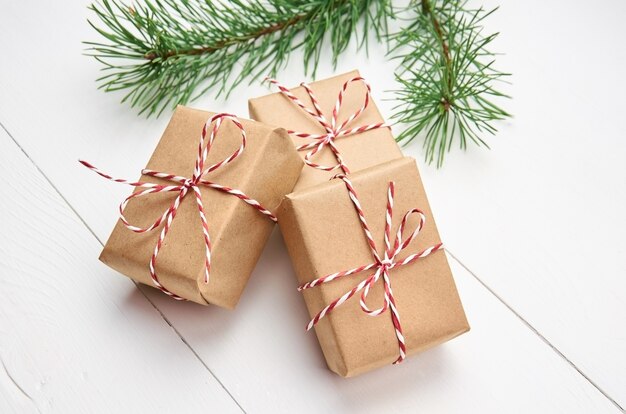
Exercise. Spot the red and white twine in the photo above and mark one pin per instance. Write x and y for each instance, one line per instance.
(333, 130)
(381, 266)
(183, 186)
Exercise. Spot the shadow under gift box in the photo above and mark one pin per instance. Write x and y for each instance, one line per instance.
(323, 235)
(359, 151)
(267, 170)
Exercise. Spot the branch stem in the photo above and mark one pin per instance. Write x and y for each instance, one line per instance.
(228, 42)
(427, 9)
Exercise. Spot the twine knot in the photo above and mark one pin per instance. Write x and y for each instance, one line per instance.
(333, 129)
(386, 263)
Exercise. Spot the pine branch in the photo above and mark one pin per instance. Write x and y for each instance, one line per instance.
(447, 77)
(166, 52)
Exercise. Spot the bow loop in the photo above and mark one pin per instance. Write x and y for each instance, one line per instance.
(339, 103)
(366, 290)
(217, 120)
(400, 244)
(183, 187)
(319, 114)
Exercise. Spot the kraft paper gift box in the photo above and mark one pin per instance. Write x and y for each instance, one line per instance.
(358, 151)
(266, 170)
(323, 235)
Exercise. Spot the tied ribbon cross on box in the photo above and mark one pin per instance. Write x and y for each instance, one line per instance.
(333, 129)
(382, 266)
(183, 186)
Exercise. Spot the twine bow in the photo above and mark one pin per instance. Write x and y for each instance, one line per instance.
(183, 186)
(382, 265)
(333, 129)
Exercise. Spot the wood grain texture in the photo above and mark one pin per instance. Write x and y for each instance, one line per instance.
(515, 216)
(263, 356)
(72, 339)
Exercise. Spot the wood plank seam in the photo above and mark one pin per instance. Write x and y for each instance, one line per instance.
(183, 339)
(535, 331)
(167, 321)
(17, 386)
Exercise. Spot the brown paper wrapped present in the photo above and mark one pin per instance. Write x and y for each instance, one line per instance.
(237, 228)
(348, 147)
(328, 245)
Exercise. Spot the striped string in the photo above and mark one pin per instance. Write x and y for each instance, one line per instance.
(333, 129)
(380, 266)
(183, 186)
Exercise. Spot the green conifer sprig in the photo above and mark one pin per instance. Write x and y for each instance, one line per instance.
(447, 77)
(166, 52)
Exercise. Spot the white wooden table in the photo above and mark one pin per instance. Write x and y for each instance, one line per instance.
(534, 228)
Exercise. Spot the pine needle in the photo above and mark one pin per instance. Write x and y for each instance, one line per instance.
(447, 77)
(166, 52)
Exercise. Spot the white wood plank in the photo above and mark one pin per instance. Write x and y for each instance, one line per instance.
(540, 218)
(264, 357)
(73, 339)
(60, 117)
